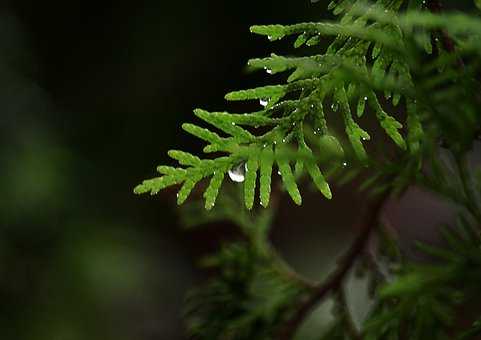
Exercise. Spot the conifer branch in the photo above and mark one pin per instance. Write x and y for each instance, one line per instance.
(335, 280)
(411, 58)
(349, 322)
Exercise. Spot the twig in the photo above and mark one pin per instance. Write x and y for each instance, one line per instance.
(471, 199)
(436, 7)
(350, 325)
(336, 278)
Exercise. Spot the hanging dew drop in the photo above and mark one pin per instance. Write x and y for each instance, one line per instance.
(365, 99)
(237, 173)
(279, 172)
(263, 102)
(344, 164)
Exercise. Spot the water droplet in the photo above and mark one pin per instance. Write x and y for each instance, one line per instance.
(365, 98)
(363, 138)
(279, 172)
(283, 140)
(233, 123)
(268, 70)
(237, 173)
(263, 102)
(344, 164)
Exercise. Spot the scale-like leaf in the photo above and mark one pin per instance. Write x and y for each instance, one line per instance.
(250, 181)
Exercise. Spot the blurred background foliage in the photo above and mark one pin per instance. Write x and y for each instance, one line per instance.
(92, 95)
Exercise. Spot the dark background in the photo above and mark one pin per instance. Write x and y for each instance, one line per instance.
(92, 96)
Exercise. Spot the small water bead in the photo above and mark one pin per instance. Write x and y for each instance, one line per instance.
(232, 123)
(344, 164)
(279, 172)
(283, 140)
(237, 173)
(263, 102)
(365, 99)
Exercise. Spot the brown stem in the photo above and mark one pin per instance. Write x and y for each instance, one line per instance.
(349, 322)
(436, 7)
(336, 278)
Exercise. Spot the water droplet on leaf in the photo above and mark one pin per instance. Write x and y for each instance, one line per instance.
(237, 173)
(263, 102)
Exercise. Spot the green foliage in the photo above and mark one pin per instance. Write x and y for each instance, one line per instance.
(394, 64)
(426, 296)
(375, 52)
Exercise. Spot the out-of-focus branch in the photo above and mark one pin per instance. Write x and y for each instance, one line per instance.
(335, 280)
